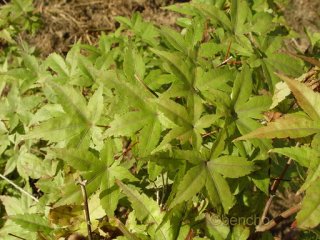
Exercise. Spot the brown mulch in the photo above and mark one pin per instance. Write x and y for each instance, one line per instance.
(301, 15)
(66, 21)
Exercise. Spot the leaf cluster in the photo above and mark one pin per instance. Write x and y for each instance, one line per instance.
(151, 120)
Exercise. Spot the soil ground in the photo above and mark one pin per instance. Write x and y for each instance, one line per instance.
(67, 21)
(302, 15)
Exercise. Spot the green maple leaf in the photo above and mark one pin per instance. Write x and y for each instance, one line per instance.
(186, 126)
(141, 118)
(99, 172)
(309, 215)
(75, 125)
(247, 108)
(32, 222)
(209, 174)
(147, 211)
(293, 125)
(296, 125)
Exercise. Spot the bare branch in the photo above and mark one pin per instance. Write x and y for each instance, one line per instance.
(82, 184)
(273, 190)
(19, 188)
(279, 218)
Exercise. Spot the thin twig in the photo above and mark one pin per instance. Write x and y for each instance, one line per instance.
(88, 39)
(190, 234)
(277, 181)
(157, 192)
(19, 188)
(158, 196)
(279, 218)
(82, 184)
(84, 4)
(145, 85)
(11, 234)
(124, 229)
(225, 61)
(228, 51)
(265, 210)
(102, 126)
(64, 15)
(163, 189)
(208, 134)
(125, 151)
(273, 190)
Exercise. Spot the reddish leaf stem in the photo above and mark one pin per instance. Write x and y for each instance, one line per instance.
(273, 190)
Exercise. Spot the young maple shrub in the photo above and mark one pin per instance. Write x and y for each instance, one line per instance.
(162, 134)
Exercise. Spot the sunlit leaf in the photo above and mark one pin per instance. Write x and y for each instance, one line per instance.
(191, 184)
(240, 232)
(174, 39)
(95, 105)
(293, 126)
(307, 99)
(239, 12)
(146, 210)
(254, 107)
(217, 228)
(242, 86)
(215, 14)
(231, 166)
(179, 67)
(302, 155)
(218, 191)
(280, 93)
(57, 64)
(32, 222)
(309, 216)
(128, 124)
(313, 173)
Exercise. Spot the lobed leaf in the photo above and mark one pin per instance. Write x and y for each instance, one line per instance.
(217, 228)
(309, 215)
(218, 190)
(307, 99)
(302, 155)
(290, 125)
(190, 185)
(32, 222)
(145, 208)
(231, 166)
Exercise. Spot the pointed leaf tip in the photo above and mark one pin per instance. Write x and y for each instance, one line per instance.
(307, 99)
